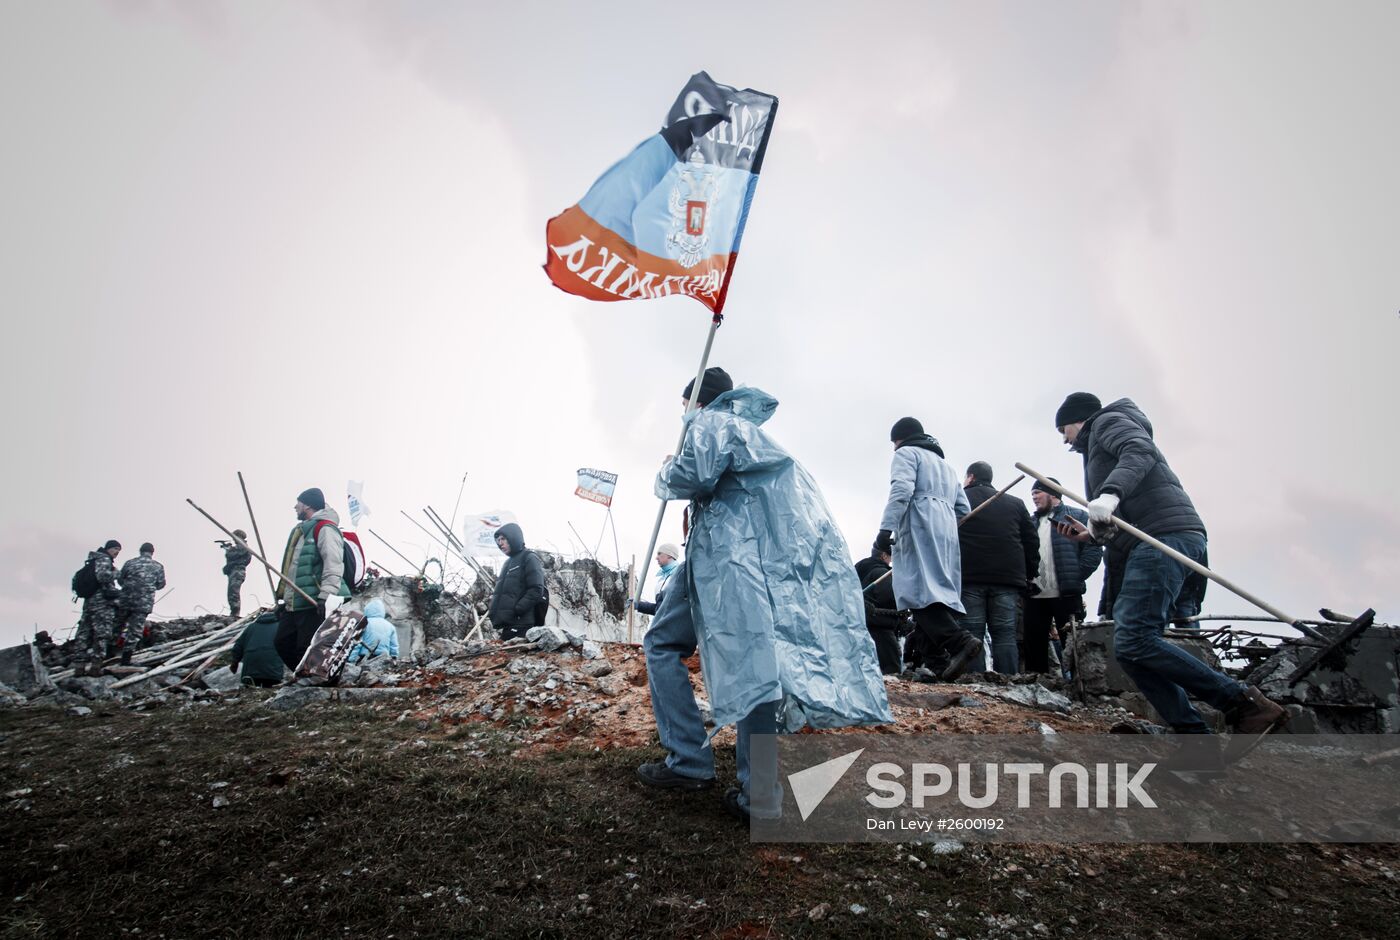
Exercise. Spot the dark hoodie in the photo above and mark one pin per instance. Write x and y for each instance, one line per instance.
(520, 586)
(1120, 457)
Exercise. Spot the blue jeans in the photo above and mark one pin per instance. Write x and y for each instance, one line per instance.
(669, 640)
(992, 608)
(1164, 674)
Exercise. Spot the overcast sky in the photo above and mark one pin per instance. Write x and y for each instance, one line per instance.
(304, 240)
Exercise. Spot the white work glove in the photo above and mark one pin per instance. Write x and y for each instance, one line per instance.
(1101, 510)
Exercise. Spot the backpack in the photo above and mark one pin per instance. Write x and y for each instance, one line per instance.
(352, 553)
(542, 608)
(85, 580)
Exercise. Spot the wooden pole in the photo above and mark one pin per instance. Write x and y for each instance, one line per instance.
(1175, 555)
(256, 534)
(999, 493)
(267, 564)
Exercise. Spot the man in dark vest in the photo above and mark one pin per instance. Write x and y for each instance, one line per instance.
(314, 561)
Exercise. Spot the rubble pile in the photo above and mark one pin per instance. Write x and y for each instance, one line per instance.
(1356, 691)
(58, 656)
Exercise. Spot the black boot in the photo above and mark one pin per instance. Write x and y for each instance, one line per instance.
(126, 656)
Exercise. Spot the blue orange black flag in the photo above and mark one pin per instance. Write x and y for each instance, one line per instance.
(668, 218)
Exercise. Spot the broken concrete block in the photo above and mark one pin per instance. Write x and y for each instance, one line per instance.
(1096, 670)
(297, 696)
(9, 696)
(597, 668)
(79, 711)
(549, 639)
(221, 680)
(89, 687)
(22, 669)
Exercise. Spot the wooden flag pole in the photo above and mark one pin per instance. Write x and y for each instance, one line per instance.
(631, 595)
(685, 426)
(256, 534)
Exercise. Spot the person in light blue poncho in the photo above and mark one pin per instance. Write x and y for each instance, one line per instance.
(379, 637)
(768, 595)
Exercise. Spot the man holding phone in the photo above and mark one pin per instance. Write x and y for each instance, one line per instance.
(1057, 587)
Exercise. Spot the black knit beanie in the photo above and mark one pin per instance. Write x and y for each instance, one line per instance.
(1077, 407)
(1041, 487)
(904, 429)
(715, 384)
(313, 498)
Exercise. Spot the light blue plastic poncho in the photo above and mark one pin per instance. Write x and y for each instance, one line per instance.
(776, 603)
(926, 501)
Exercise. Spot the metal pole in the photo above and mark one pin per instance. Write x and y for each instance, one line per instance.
(586, 552)
(457, 544)
(685, 426)
(256, 534)
(1175, 555)
(259, 557)
(391, 548)
(980, 506)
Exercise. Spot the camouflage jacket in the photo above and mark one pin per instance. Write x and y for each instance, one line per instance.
(141, 578)
(106, 572)
(235, 556)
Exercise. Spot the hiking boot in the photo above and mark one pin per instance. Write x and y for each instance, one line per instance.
(968, 653)
(661, 777)
(1255, 713)
(734, 807)
(126, 656)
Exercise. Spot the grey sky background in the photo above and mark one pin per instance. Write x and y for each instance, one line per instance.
(303, 241)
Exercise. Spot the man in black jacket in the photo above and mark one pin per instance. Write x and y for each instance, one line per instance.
(520, 586)
(1127, 477)
(999, 551)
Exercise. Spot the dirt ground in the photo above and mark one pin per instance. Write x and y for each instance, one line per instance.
(488, 803)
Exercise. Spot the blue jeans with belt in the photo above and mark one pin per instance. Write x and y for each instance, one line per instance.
(669, 640)
(1165, 674)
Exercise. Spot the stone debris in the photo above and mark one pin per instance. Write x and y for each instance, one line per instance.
(1033, 695)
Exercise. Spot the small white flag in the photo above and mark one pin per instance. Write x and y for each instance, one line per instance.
(353, 495)
(479, 531)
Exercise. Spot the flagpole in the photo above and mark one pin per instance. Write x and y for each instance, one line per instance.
(694, 396)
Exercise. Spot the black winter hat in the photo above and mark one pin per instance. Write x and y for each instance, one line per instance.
(111, 543)
(1077, 407)
(715, 384)
(1041, 487)
(904, 429)
(313, 498)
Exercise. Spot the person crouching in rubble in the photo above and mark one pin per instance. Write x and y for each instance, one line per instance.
(379, 637)
(519, 587)
(768, 585)
(1126, 475)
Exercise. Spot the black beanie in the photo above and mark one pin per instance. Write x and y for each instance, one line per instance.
(904, 429)
(1041, 487)
(111, 543)
(1077, 407)
(715, 384)
(313, 498)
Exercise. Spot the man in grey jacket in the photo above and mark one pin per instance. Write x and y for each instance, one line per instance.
(1126, 476)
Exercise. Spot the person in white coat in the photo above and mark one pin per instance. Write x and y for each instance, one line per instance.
(920, 529)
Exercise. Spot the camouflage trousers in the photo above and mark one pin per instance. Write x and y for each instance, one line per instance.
(95, 628)
(131, 627)
(236, 577)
